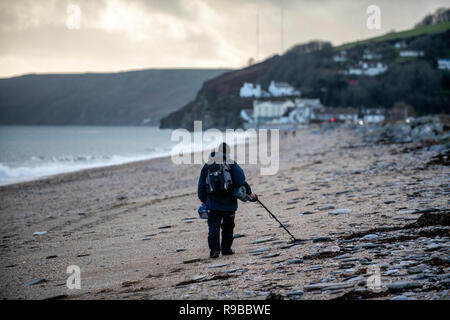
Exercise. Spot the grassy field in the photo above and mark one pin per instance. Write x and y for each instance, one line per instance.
(433, 29)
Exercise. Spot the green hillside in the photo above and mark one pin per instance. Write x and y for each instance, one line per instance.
(431, 29)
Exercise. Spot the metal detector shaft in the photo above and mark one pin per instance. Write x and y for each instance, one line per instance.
(273, 216)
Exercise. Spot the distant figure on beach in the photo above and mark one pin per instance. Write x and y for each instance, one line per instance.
(219, 179)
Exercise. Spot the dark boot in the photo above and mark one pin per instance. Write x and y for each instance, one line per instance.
(214, 255)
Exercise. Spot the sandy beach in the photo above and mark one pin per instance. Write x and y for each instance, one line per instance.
(134, 230)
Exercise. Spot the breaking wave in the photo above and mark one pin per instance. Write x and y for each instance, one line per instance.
(40, 167)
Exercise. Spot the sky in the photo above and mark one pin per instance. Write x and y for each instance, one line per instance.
(74, 36)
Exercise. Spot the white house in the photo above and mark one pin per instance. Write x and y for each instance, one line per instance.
(335, 114)
(375, 69)
(341, 56)
(304, 111)
(270, 111)
(400, 45)
(368, 55)
(368, 69)
(248, 90)
(444, 64)
(279, 89)
(411, 53)
(374, 115)
(355, 71)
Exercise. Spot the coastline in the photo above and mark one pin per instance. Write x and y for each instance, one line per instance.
(134, 230)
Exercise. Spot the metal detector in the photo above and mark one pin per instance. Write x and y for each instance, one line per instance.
(294, 240)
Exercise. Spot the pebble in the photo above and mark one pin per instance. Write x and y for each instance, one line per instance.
(339, 211)
(401, 285)
(406, 211)
(261, 240)
(270, 255)
(234, 270)
(32, 282)
(314, 268)
(417, 269)
(192, 260)
(294, 293)
(321, 239)
(259, 250)
(391, 272)
(349, 272)
(327, 286)
(323, 208)
(370, 237)
(294, 261)
(349, 260)
(433, 247)
(330, 249)
(356, 278)
(219, 265)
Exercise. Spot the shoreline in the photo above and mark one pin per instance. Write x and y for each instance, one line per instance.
(76, 171)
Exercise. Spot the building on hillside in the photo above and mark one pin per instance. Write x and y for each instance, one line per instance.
(270, 111)
(368, 55)
(341, 56)
(248, 90)
(374, 115)
(400, 45)
(355, 71)
(443, 63)
(279, 89)
(411, 53)
(335, 114)
(368, 69)
(304, 110)
(375, 69)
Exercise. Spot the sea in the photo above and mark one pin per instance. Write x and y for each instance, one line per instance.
(32, 152)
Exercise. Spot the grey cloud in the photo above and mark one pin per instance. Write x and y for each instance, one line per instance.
(231, 28)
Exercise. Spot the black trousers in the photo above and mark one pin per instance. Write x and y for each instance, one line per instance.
(217, 219)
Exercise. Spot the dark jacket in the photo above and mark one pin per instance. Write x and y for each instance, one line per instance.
(226, 202)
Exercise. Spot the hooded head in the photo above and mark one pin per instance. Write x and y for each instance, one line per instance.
(221, 154)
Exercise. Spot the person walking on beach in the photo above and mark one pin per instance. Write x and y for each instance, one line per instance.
(219, 180)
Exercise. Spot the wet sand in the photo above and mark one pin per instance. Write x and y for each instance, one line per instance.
(134, 230)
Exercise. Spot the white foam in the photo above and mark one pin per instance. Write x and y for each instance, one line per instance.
(9, 175)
